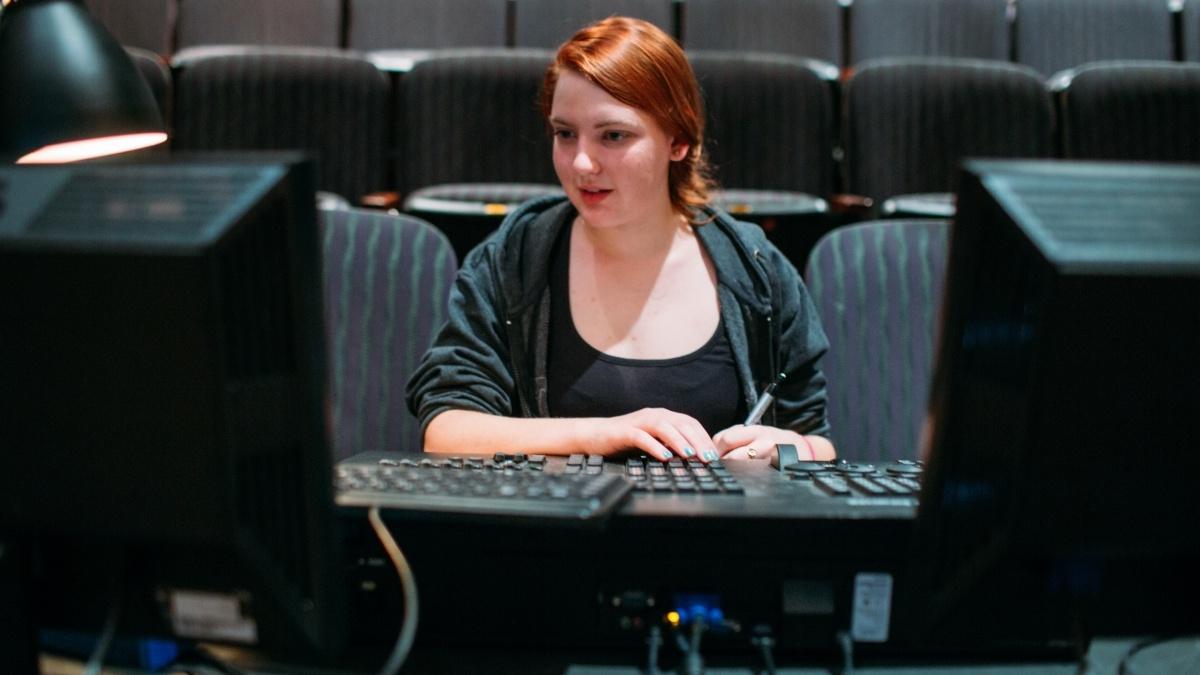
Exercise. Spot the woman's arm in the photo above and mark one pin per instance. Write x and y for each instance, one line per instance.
(656, 431)
(737, 441)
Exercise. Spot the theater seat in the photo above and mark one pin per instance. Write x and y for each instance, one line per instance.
(909, 122)
(1130, 110)
(387, 286)
(326, 102)
(976, 29)
(146, 24)
(421, 24)
(546, 24)
(770, 140)
(808, 28)
(877, 287)
(316, 23)
(472, 138)
(1053, 35)
(157, 75)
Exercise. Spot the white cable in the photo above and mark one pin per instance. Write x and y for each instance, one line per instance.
(408, 586)
(96, 660)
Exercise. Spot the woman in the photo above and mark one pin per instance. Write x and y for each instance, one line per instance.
(631, 314)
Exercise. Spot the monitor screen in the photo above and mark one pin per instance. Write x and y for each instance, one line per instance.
(1059, 499)
(164, 437)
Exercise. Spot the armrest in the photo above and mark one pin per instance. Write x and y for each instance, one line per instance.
(852, 205)
(381, 200)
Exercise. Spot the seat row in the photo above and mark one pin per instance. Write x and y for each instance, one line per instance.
(1047, 35)
(779, 126)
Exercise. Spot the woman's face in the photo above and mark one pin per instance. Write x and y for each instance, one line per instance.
(612, 159)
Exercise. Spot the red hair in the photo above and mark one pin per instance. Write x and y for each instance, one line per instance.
(642, 67)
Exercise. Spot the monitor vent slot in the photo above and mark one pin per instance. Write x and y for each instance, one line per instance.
(255, 272)
(1123, 217)
(143, 204)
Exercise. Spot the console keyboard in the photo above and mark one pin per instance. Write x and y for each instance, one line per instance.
(650, 475)
(505, 485)
(848, 479)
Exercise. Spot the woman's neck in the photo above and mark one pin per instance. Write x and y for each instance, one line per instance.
(650, 239)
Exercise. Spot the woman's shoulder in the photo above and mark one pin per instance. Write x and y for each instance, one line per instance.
(528, 228)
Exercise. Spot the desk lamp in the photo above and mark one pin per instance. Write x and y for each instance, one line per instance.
(68, 91)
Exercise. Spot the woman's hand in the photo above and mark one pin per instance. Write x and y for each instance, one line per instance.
(658, 432)
(758, 442)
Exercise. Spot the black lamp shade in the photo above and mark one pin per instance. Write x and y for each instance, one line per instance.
(63, 79)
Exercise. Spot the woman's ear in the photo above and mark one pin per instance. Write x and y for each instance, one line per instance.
(679, 150)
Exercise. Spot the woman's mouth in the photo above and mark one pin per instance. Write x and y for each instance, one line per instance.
(593, 196)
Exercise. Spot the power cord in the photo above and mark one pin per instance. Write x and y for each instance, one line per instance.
(96, 660)
(847, 645)
(765, 643)
(653, 643)
(408, 586)
(117, 589)
(693, 662)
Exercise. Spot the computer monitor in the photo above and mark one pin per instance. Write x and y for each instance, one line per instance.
(164, 444)
(1059, 499)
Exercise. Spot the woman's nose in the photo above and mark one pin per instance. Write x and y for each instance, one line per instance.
(584, 163)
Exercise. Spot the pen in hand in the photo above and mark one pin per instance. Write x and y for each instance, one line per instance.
(764, 400)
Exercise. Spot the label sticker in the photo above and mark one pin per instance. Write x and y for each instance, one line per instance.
(872, 609)
(210, 616)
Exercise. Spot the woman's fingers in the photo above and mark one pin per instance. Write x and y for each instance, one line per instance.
(664, 433)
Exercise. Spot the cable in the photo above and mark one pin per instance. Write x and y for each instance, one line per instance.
(693, 662)
(1125, 668)
(763, 640)
(408, 586)
(653, 642)
(847, 646)
(96, 660)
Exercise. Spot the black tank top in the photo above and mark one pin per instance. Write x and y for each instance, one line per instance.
(585, 382)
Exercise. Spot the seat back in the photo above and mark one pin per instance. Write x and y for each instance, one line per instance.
(951, 28)
(316, 23)
(1190, 35)
(910, 121)
(387, 287)
(548, 23)
(327, 102)
(471, 116)
(809, 28)
(769, 120)
(877, 287)
(148, 24)
(1053, 35)
(421, 24)
(1131, 110)
(157, 75)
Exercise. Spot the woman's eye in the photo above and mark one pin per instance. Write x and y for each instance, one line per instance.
(565, 134)
(615, 136)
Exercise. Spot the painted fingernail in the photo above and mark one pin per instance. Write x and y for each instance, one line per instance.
(666, 455)
(688, 452)
(711, 455)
